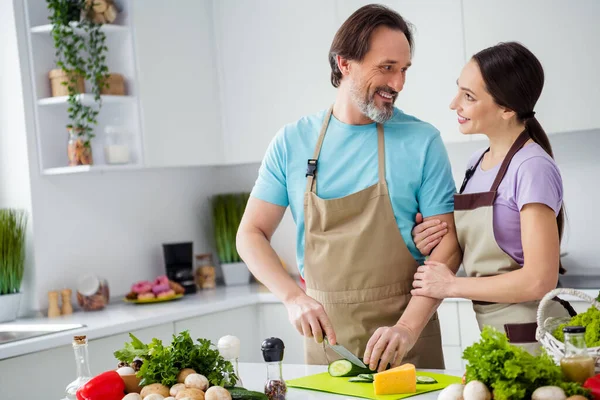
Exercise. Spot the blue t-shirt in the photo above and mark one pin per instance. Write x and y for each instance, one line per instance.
(417, 169)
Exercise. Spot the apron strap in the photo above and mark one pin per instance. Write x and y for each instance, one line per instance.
(311, 173)
(381, 152)
(516, 146)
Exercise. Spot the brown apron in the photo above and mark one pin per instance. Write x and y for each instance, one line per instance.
(474, 218)
(358, 267)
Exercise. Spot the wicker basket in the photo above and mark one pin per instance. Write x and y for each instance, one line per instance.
(554, 347)
(116, 85)
(57, 77)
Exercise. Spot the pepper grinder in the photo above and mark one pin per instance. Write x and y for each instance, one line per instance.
(275, 387)
(67, 308)
(53, 310)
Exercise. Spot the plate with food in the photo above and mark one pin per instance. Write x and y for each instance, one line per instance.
(162, 289)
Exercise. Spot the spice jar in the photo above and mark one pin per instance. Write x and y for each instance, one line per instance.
(229, 348)
(79, 150)
(92, 293)
(205, 272)
(577, 365)
(275, 387)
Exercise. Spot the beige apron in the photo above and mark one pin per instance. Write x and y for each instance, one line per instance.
(474, 218)
(358, 267)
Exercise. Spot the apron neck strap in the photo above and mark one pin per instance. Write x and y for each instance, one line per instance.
(516, 146)
(311, 173)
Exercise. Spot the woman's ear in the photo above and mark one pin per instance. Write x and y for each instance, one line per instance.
(508, 114)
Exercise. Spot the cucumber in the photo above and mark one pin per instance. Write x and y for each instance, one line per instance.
(243, 394)
(360, 378)
(343, 368)
(426, 380)
(367, 376)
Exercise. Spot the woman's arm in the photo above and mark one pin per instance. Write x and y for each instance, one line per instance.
(539, 275)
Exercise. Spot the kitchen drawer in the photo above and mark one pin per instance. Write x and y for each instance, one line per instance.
(448, 314)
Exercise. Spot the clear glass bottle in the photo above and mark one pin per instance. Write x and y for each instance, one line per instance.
(229, 348)
(275, 387)
(80, 347)
(79, 150)
(577, 365)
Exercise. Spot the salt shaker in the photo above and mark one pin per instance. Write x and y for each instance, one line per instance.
(275, 387)
(229, 348)
(53, 309)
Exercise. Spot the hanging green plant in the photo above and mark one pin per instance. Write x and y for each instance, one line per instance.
(81, 53)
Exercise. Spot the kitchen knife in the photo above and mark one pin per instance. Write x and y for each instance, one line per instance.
(344, 352)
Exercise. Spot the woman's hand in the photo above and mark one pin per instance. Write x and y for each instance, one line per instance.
(428, 234)
(434, 280)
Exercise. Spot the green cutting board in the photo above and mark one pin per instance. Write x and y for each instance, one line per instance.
(326, 383)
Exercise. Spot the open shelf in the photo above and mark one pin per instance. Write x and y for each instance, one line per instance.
(86, 99)
(90, 168)
(107, 28)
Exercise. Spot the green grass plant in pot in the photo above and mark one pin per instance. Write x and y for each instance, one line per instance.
(13, 225)
(227, 214)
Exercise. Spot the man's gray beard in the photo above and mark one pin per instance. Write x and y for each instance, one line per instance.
(368, 107)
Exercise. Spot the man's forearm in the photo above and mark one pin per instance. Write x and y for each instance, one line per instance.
(420, 309)
(261, 259)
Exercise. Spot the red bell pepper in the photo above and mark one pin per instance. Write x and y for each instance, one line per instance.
(107, 386)
(593, 384)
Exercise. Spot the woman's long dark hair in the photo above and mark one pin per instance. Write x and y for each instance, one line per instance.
(514, 77)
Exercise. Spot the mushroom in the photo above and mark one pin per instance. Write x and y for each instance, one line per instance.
(133, 396)
(548, 393)
(217, 393)
(176, 388)
(183, 374)
(196, 381)
(154, 396)
(452, 392)
(476, 390)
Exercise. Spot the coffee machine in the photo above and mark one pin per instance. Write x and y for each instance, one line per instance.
(179, 264)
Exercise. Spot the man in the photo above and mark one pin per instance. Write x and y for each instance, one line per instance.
(353, 196)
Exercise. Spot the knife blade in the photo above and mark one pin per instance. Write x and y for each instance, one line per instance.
(347, 354)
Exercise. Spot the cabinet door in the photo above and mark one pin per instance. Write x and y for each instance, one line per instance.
(448, 315)
(274, 323)
(240, 322)
(272, 58)
(565, 36)
(438, 58)
(179, 93)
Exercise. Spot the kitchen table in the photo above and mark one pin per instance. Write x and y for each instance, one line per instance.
(254, 375)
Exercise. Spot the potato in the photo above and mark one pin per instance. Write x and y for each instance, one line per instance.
(196, 381)
(133, 396)
(155, 388)
(217, 393)
(192, 393)
(176, 388)
(183, 374)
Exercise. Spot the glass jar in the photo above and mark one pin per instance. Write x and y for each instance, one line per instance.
(229, 348)
(80, 347)
(577, 365)
(205, 274)
(92, 293)
(116, 145)
(79, 148)
(275, 387)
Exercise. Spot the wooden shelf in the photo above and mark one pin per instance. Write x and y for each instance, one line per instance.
(107, 28)
(90, 168)
(86, 99)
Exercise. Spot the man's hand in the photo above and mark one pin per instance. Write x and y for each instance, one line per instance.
(389, 345)
(310, 319)
(428, 234)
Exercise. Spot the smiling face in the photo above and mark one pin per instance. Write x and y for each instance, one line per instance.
(376, 81)
(477, 111)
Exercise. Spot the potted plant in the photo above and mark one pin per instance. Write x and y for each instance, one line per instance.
(13, 224)
(227, 214)
(80, 55)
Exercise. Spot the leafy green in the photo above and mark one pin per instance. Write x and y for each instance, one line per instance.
(510, 371)
(590, 320)
(162, 363)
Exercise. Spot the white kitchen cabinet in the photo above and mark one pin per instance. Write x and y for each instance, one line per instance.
(453, 358)
(438, 58)
(448, 315)
(565, 36)
(54, 369)
(274, 322)
(272, 60)
(240, 322)
(179, 93)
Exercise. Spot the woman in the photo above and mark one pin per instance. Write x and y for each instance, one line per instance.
(509, 215)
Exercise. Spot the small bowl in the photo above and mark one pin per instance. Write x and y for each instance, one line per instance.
(132, 383)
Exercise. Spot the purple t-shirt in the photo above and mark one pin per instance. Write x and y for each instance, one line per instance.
(532, 177)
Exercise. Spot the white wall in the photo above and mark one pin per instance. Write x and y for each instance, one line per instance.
(14, 168)
(577, 157)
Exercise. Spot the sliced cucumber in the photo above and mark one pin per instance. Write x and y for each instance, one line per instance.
(360, 379)
(343, 368)
(367, 376)
(426, 380)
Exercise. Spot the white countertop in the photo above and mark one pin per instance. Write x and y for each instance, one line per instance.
(254, 376)
(120, 317)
